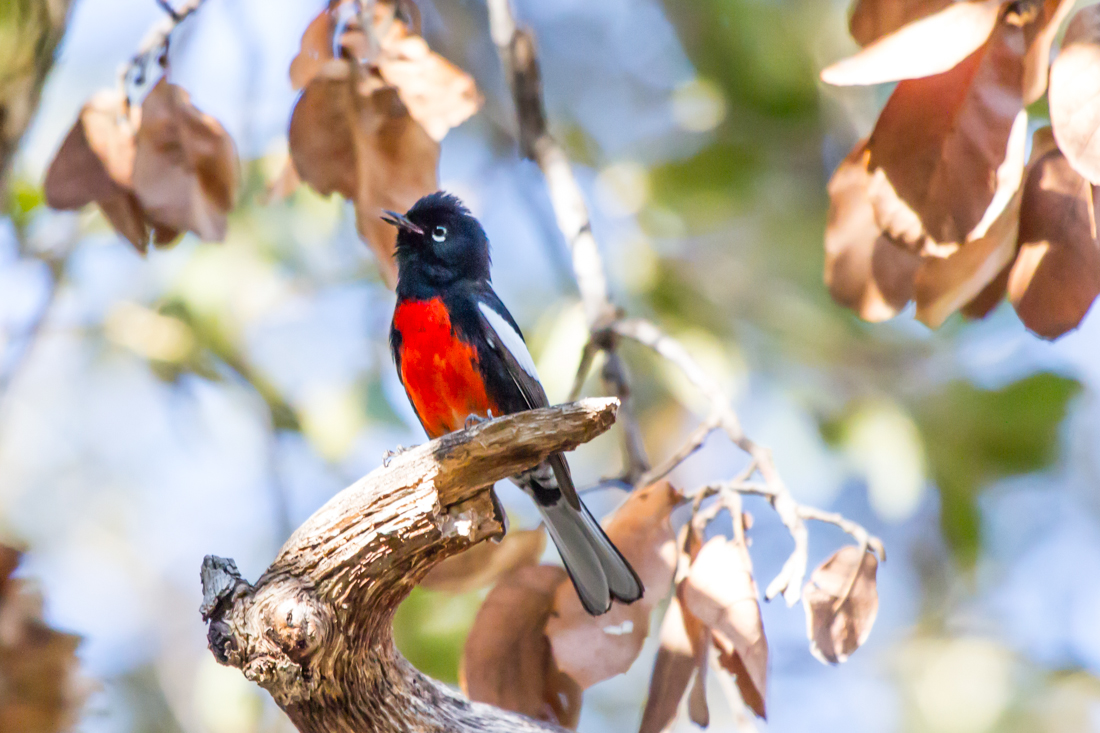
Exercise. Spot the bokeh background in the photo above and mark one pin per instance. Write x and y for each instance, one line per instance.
(209, 397)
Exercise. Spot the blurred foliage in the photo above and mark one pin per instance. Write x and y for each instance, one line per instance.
(974, 436)
(721, 173)
(24, 199)
(212, 341)
(150, 710)
(29, 32)
(735, 216)
(430, 630)
(746, 46)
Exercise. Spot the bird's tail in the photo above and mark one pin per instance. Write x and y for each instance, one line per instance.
(598, 570)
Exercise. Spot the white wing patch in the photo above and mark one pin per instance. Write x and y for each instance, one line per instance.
(510, 339)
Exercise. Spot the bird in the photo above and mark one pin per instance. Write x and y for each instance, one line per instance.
(461, 357)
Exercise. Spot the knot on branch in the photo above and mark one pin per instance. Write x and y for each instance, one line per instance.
(269, 631)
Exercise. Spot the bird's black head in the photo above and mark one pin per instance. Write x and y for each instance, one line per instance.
(439, 242)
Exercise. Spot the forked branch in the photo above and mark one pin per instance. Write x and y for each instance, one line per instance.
(315, 629)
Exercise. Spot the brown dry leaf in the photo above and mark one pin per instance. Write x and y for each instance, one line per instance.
(943, 285)
(699, 635)
(896, 218)
(315, 50)
(1075, 93)
(1057, 272)
(38, 665)
(398, 164)
(676, 664)
(989, 298)
(593, 648)
(926, 47)
(840, 604)
(352, 135)
(698, 711)
(691, 542)
(721, 592)
(186, 172)
(76, 175)
(1037, 61)
(507, 660)
(125, 214)
(865, 269)
(483, 563)
(322, 144)
(640, 528)
(940, 140)
(438, 94)
(371, 131)
(96, 162)
(873, 19)
(750, 694)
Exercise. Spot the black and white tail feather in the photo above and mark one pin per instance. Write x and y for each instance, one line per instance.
(598, 570)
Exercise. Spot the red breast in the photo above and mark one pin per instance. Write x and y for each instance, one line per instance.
(439, 370)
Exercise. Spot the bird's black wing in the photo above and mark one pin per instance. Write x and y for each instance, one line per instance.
(504, 340)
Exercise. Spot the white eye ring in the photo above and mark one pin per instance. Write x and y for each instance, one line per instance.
(439, 234)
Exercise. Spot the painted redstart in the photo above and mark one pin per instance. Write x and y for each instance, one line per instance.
(459, 353)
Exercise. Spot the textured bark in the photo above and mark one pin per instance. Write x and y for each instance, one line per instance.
(315, 630)
(29, 33)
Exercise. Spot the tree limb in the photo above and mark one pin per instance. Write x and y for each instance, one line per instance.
(315, 630)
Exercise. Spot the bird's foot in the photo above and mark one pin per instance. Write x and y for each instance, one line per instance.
(391, 454)
(474, 419)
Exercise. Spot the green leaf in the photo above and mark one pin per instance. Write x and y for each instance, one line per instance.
(975, 436)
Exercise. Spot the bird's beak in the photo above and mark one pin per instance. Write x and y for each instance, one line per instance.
(400, 221)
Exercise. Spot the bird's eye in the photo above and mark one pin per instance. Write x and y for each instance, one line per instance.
(439, 234)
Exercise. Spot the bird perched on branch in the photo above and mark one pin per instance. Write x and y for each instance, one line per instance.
(460, 354)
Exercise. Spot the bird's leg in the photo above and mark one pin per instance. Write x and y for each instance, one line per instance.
(474, 419)
(391, 454)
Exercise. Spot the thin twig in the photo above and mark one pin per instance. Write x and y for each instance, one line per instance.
(588, 356)
(693, 443)
(617, 382)
(606, 327)
(172, 12)
(790, 578)
(517, 52)
(155, 43)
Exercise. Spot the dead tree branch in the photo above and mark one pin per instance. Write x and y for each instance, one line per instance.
(315, 629)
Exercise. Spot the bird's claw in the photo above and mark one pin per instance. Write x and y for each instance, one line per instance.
(474, 419)
(390, 454)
